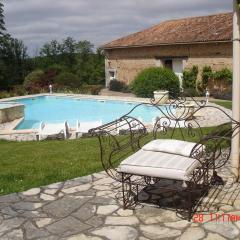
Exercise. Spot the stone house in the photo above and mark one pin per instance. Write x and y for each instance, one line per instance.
(177, 44)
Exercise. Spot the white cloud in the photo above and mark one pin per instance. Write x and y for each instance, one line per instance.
(99, 21)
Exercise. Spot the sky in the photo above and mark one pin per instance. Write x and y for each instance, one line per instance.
(99, 21)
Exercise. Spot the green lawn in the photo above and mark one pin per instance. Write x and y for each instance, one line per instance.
(24, 165)
(223, 103)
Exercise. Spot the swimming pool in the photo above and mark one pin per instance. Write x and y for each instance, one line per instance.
(53, 109)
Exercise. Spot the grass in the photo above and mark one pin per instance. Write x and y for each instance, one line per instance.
(30, 164)
(24, 165)
(223, 103)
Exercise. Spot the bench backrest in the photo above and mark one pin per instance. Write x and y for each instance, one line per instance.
(180, 119)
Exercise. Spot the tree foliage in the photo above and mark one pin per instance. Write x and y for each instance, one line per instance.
(69, 59)
(13, 57)
(207, 76)
(67, 79)
(33, 81)
(62, 53)
(13, 61)
(219, 78)
(190, 78)
(224, 74)
(77, 57)
(2, 23)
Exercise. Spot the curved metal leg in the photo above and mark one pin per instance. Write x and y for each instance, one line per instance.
(216, 180)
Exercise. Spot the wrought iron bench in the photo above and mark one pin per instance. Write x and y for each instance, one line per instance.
(166, 172)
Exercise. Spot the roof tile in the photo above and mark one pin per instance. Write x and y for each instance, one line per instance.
(181, 31)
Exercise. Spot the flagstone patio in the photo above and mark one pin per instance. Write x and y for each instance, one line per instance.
(88, 208)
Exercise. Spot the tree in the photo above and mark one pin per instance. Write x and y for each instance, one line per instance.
(2, 23)
(50, 52)
(93, 71)
(13, 59)
(73, 57)
(84, 51)
(59, 53)
(84, 48)
(68, 49)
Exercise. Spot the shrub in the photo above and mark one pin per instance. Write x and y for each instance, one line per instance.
(155, 78)
(223, 79)
(67, 79)
(220, 79)
(191, 92)
(84, 89)
(5, 94)
(33, 81)
(117, 86)
(227, 95)
(190, 78)
(91, 89)
(223, 75)
(39, 81)
(19, 90)
(57, 68)
(48, 77)
(207, 75)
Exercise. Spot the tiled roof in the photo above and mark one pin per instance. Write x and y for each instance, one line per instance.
(181, 31)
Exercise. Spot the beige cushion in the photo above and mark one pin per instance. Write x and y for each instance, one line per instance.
(182, 148)
(159, 164)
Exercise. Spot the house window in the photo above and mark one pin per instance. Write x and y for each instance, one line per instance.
(176, 65)
(168, 63)
(112, 74)
(158, 62)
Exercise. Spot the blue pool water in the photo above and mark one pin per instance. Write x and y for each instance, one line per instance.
(52, 109)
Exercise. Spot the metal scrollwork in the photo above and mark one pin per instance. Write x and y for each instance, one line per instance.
(124, 136)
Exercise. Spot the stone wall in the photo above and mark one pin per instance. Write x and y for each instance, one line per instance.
(129, 62)
(11, 113)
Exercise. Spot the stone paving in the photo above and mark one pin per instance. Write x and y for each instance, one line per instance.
(213, 115)
(87, 208)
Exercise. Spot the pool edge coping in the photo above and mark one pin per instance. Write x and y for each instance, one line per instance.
(83, 96)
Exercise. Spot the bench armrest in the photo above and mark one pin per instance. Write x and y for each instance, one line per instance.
(214, 149)
(118, 139)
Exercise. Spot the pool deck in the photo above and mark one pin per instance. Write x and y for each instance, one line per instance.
(90, 208)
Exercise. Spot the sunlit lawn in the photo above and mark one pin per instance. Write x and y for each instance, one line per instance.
(223, 103)
(24, 165)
